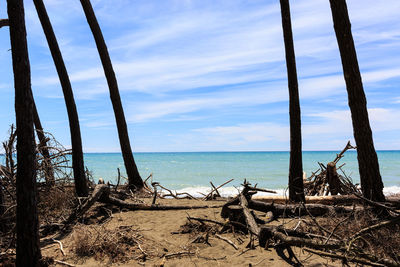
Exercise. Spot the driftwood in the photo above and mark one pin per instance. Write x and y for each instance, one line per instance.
(140, 206)
(250, 220)
(280, 234)
(288, 210)
(101, 193)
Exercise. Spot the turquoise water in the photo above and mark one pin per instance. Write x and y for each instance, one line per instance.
(192, 171)
(268, 169)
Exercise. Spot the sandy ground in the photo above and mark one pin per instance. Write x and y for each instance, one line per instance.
(156, 229)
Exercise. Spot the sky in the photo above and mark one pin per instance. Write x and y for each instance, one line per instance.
(202, 75)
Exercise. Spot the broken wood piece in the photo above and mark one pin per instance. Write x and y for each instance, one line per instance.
(250, 220)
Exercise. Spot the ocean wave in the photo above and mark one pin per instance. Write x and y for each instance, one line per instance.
(200, 191)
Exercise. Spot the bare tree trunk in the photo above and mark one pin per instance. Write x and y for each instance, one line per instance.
(49, 172)
(371, 181)
(28, 250)
(296, 189)
(134, 179)
(81, 186)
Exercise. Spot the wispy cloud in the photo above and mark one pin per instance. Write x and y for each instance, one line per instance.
(189, 65)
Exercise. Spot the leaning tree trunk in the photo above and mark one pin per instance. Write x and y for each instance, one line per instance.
(81, 186)
(28, 250)
(134, 179)
(296, 189)
(371, 181)
(43, 148)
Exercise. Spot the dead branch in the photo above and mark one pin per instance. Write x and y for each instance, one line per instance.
(215, 189)
(340, 155)
(212, 191)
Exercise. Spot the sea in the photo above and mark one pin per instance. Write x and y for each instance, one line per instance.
(192, 172)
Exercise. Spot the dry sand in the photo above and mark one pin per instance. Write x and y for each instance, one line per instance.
(156, 227)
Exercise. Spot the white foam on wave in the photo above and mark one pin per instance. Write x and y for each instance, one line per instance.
(224, 191)
(391, 190)
(198, 191)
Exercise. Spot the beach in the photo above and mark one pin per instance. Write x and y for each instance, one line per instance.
(159, 237)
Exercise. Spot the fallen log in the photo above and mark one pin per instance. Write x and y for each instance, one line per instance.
(280, 234)
(141, 206)
(288, 210)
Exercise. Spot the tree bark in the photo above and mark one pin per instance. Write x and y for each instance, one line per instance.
(296, 189)
(28, 250)
(49, 172)
(371, 181)
(134, 179)
(76, 141)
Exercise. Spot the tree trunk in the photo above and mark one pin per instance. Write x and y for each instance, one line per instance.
(333, 179)
(76, 141)
(49, 172)
(28, 250)
(371, 181)
(134, 179)
(296, 189)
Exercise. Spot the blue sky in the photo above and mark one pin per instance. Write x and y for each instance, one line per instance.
(210, 75)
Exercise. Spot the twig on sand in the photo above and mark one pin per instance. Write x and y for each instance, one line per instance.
(179, 254)
(61, 246)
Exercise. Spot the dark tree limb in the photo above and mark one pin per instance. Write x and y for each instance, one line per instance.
(4, 22)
